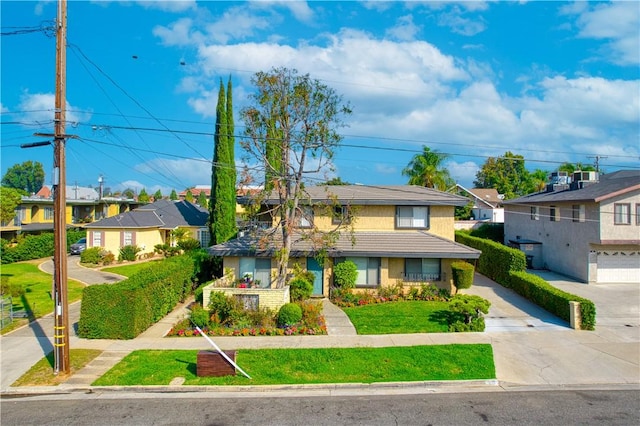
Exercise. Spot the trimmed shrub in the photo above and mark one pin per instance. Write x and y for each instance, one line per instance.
(300, 289)
(289, 314)
(550, 298)
(496, 260)
(91, 255)
(125, 309)
(469, 309)
(493, 231)
(129, 252)
(10, 289)
(462, 274)
(199, 316)
(345, 275)
(34, 246)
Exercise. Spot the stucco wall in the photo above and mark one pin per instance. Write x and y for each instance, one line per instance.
(608, 229)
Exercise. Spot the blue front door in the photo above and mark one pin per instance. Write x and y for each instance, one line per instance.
(318, 272)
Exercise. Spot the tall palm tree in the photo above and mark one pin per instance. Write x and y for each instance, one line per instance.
(426, 169)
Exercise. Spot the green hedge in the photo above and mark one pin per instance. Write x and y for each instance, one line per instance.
(507, 266)
(34, 246)
(462, 273)
(550, 298)
(496, 260)
(126, 309)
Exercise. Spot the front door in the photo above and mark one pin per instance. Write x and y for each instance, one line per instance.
(318, 272)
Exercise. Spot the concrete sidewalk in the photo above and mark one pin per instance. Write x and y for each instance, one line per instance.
(531, 347)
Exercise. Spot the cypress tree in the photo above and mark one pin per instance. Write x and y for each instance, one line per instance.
(223, 173)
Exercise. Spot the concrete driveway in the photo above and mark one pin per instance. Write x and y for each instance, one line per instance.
(87, 276)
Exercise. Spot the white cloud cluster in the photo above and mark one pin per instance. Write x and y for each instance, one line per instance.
(38, 108)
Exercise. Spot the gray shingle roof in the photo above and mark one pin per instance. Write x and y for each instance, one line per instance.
(410, 244)
(397, 195)
(165, 214)
(609, 185)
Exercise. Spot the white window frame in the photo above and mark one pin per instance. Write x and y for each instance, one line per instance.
(535, 213)
(127, 238)
(622, 214)
(305, 219)
(412, 217)
(204, 237)
(48, 213)
(578, 212)
(96, 239)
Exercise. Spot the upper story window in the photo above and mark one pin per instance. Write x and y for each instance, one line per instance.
(305, 218)
(637, 214)
(554, 215)
(622, 214)
(341, 215)
(412, 217)
(577, 212)
(203, 236)
(535, 213)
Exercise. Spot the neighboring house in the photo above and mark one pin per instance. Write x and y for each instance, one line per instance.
(400, 234)
(149, 225)
(586, 228)
(487, 204)
(35, 212)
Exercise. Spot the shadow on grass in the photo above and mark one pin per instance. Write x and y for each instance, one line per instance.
(191, 367)
(445, 317)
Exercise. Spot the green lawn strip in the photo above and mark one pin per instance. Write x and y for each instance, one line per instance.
(128, 270)
(299, 366)
(400, 317)
(42, 373)
(38, 287)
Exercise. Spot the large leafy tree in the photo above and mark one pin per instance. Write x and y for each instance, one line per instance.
(290, 120)
(27, 176)
(507, 174)
(222, 207)
(9, 200)
(570, 167)
(426, 169)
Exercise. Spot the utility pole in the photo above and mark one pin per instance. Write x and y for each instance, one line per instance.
(597, 161)
(61, 314)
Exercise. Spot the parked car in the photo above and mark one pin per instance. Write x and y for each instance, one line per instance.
(79, 246)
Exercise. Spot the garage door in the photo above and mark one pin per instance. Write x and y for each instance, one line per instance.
(619, 267)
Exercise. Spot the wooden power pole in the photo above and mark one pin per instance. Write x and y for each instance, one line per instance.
(61, 314)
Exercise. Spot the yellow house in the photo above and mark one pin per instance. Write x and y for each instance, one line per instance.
(395, 234)
(148, 226)
(83, 205)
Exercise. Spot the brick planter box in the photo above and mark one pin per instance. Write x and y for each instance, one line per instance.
(211, 363)
(272, 298)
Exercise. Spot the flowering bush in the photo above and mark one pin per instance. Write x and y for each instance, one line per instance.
(346, 298)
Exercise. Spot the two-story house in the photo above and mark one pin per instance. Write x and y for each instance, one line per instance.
(397, 234)
(83, 205)
(587, 228)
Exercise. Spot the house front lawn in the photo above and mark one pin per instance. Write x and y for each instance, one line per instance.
(129, 269)
(30, 291)
(305, 366)
(401, 317)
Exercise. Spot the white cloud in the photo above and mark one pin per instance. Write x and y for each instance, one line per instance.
(616, 22)
(460, 24)
(179, 33)
(169, 5)
(385, 169)
(299, 9)
(462, 173)
(190, 171)
(405, 29)
(39, 108)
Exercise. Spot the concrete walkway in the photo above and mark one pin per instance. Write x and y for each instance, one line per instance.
(531, 347)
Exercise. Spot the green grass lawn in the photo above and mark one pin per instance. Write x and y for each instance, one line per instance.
(400, 317)
(128, 270)
(298, 366)
(38, 287)
(42, 374)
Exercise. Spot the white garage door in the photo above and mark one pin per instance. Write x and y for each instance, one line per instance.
(619, 267)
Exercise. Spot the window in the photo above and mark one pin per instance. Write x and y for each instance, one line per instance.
(622, 214)
(259, 268)
(305, 219)
(412, 217)
(127, 238)
(96, 239)
(341, 215)
(368, 270)
(422, 270)
(578, 212)
(48, 213)
(637, 214)
(553, 214)
(535, 213)
(204, 237)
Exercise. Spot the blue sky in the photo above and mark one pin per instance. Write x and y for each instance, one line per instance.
(551, 81)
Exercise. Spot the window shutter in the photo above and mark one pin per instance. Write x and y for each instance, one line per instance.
(121, 238)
